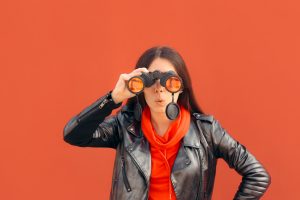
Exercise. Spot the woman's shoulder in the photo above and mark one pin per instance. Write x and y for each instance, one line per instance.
(125, 113)
(203, 117)
(127, 110)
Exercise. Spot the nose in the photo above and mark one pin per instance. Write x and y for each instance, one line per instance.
(157, 86)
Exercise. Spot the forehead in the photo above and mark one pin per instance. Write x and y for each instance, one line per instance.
(162, 65)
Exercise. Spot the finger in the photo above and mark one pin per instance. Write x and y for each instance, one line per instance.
(139, 71)
(142, 69)
(125, 77)
(135, 73)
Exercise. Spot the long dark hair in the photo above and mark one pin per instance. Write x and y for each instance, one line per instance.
(186, 98)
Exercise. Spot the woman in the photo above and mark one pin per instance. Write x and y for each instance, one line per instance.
(160, 157)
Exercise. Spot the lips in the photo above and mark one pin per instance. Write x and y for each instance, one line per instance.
(159, 100)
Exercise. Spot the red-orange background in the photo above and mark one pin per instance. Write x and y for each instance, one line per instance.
(57, 57)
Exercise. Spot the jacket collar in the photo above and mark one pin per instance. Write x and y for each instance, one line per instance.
(190, 139)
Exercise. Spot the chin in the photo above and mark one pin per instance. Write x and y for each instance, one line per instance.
(158, 109)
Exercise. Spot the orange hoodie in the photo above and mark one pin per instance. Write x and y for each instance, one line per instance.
(163, 152)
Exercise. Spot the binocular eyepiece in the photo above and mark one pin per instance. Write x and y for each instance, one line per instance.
(170, 80)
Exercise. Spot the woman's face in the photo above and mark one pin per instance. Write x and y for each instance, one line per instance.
(156, 96)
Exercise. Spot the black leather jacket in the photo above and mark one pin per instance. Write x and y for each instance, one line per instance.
(194, 169)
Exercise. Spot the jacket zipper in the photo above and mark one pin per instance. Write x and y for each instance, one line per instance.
(126, 182)
(88, 113)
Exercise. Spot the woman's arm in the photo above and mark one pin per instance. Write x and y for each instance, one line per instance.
(255, 179)
(91, 128)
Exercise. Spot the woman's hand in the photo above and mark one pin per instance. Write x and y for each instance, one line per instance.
(120, 92)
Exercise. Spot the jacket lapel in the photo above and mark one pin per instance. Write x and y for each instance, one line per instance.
(186, 170)
(189, 140)
(139, 151)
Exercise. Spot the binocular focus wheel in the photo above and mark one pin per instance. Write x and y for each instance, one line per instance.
(172, 111)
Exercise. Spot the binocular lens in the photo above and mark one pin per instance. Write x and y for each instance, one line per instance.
(135, 85)
(173, 84)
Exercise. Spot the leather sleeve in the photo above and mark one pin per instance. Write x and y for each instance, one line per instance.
(92, 127)
(255, 179)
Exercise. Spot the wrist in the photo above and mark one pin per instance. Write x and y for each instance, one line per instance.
(114, 97)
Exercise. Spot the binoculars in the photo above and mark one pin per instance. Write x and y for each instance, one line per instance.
(170, 80)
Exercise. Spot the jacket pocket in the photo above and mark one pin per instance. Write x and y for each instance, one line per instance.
(126, 182)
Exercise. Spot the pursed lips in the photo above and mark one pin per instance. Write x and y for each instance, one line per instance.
(159, 100)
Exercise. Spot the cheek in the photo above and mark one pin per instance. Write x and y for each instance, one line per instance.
(176, 96)
(147, 95)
